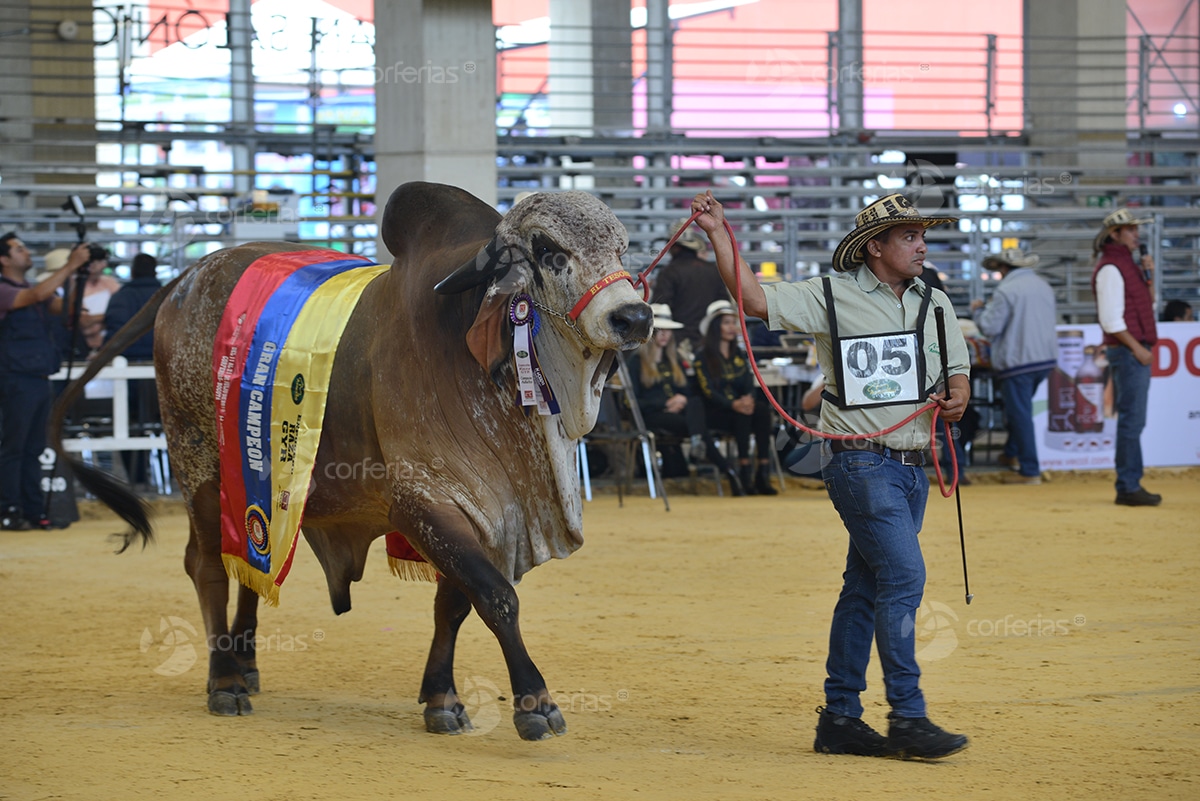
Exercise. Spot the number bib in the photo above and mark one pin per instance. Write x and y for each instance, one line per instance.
(877, 369)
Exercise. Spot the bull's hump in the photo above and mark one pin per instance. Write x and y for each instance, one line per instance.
(422, 216)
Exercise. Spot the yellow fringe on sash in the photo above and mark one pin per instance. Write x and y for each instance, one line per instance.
(261, 583)
(412, 571)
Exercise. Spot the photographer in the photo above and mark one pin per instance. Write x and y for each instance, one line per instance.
(28, 355)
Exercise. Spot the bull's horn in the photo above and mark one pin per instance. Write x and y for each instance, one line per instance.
(493, 261)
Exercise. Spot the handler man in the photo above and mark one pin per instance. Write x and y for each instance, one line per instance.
(876, 339)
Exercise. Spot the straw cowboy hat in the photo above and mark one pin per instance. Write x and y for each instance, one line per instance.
(884, 213)
(691, 238)
(718, 308)
(1117, 219)
(1010, 257)
(54, 261)
(662, 318)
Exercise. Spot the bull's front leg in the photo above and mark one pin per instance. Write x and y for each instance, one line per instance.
(447, 537)
(444, 713)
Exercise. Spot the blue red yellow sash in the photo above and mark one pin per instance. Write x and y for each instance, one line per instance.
(272, 361)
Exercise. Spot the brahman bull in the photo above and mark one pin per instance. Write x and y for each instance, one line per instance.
(422, 376)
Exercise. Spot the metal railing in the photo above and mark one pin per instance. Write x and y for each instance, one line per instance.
(967, 125)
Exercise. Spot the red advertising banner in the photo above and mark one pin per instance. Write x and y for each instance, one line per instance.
(1073, 411)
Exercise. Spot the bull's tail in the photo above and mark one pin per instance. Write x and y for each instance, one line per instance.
(112, 493)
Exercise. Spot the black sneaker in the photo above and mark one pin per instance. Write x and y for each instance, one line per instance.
(839, 734)
(1138, 497)
(920, 738)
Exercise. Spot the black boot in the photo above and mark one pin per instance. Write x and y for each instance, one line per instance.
(748, 479)
(722, 465)
(920, 738)
(762, 482)
(838, 734)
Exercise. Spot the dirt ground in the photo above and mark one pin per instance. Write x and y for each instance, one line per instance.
(685, 648)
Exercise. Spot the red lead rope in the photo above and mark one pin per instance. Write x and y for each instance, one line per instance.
(946, 491)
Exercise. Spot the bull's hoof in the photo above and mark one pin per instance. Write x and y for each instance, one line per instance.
(252, 682)
(539, 724)
(228, 704)
(439, 720)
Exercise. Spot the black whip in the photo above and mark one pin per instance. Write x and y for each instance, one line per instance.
(939, 315)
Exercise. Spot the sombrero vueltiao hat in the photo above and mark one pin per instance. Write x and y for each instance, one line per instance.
(718, 308)
(1012, 257)
(883, 213)
(662, 318)
(1116, 219)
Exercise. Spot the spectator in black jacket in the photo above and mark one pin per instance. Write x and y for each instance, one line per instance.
(143, 395)
(665, 399)
(689, 284)
(733, 402)
(129, 300)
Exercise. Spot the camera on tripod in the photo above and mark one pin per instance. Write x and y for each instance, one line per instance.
(95, 253)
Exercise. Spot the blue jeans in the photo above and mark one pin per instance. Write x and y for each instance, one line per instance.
(882, 504)
(1131, 382)
(1017, 392)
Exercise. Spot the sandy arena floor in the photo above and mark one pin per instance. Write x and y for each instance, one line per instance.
(685, 648)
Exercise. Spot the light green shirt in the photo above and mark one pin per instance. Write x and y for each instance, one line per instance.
(867, 306)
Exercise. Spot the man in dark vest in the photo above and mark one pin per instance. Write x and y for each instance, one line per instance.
(1125, 307)
(28, 355)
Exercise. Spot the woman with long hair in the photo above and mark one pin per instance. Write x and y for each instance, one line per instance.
(666, 402)
(732, 401)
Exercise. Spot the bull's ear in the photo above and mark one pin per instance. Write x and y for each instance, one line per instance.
(489, 339)
(494, 260)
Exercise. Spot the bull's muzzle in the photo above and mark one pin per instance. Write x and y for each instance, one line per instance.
(631, 323)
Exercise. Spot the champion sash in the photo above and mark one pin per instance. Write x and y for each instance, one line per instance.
(272, 361)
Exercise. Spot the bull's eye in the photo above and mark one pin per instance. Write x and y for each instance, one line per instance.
(548, 254)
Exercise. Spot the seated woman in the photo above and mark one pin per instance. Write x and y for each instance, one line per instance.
(663, 395)
(732, 402)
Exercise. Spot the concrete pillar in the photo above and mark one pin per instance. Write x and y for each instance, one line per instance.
(591, 81)
(241, 92)
(435, 96)
(1075, 80)
(612, 67)
(64, 88)
(16, 98)
(570, 84)
(612, 87)
(660, 59)
(850, 66)
(47, 91)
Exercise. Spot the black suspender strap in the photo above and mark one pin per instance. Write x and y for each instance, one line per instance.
(922, 313)
(827, 285)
